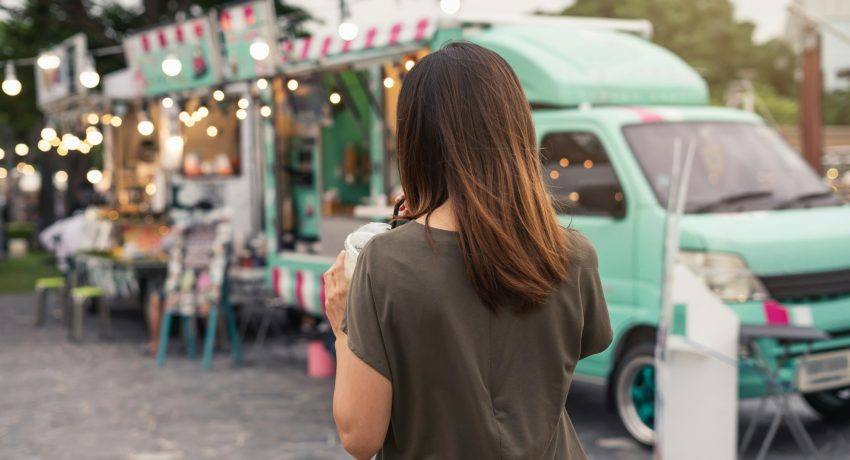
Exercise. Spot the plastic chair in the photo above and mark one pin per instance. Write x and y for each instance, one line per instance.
(79, 296)
(44, 286)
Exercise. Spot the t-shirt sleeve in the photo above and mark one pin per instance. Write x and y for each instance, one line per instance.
(596, 333)
(362, 321)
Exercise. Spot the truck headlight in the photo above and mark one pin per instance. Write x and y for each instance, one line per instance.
(725, 274)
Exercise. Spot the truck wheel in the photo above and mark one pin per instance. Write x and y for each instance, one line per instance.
(634, 392)
(830, 404)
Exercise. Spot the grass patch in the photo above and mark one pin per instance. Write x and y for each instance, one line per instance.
(18, 274)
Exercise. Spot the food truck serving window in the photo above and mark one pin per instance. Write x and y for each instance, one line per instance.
(211, 137)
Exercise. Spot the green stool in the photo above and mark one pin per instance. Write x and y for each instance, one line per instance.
(80, 295)
(43, 286)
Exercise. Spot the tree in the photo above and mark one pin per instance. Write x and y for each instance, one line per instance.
(705, 34)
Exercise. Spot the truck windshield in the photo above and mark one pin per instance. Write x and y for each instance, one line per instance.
(737, 167)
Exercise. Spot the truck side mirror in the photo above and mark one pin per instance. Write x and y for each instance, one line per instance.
(605, 199)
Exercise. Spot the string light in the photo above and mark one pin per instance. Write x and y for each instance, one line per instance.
(84, 148)
(167, 102)
(2, 154)
(241, 114)
(292, 84)
(11, 85)
(243, 103)
(48, 61)
(92, 118)
(115, 121)
(389, 82)
(259, 49)
(347, 29)
(105, 119)
(55, 142)
(218, 95)
(171, 66)
(94, 176)
(450, 6)
(408, 64)
(43, 145)
(262, 84)
(48, 133)
(145, 126)
(62, 150)
(3, 173)
(150, 189)
(89, 77)
(212, 131)
(70, 141)
(265, 111)
(203, 112)
(22, 150)
(335, 98)
(93, 136)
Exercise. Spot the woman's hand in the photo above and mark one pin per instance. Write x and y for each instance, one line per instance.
(336, 293)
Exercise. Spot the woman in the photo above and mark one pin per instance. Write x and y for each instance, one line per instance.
(462, 328)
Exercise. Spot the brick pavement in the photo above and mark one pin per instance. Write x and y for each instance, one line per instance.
(102, 400)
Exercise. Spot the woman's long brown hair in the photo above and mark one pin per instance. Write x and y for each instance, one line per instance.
(465, 135)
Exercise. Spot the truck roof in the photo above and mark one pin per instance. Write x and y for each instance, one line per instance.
(561, 66)
(638, 114)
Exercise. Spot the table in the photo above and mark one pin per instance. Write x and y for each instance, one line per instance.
(777, 390)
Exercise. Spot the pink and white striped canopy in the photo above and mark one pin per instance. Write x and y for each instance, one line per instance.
(329, 43)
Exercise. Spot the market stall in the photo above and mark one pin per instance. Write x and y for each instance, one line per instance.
(334, 162)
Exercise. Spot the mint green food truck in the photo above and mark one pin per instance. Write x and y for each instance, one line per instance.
(759, 223)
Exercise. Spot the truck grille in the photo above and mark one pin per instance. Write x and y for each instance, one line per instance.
(808, 286)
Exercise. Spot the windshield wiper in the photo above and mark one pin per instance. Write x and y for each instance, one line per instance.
(732, 199)
(803, 198)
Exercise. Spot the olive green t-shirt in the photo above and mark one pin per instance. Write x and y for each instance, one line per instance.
(468, 383)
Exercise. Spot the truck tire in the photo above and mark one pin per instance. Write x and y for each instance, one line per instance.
(634, 392)
(831, 404)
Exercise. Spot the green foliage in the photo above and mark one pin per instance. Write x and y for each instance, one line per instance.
(19, 230)
(777, 108)
(18, 274)
(836, 107)
(706, 35)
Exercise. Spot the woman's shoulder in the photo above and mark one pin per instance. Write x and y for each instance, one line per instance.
(581, 251)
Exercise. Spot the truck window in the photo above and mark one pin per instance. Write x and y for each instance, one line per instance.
(579, 175)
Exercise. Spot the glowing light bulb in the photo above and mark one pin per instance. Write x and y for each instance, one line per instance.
(48, 61)
(89, 77)
(262, 84)
(212, 131)
(116, 121)
(259, 49)
(94, 137)
(11, 85)
(335, 98)
(145, 127)
(22, 149)
(171, 66)
(265, 111)
(348, 30)
(389, 82)
(241, 114)
(450, 6)
(218, 95)
(167, 102)
(292, 84)
(92, 118)
(243, 103)
(48, 133)
(408, 64)
(43, 145)
(94, 176)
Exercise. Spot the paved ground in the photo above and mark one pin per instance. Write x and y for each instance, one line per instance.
(103, 400)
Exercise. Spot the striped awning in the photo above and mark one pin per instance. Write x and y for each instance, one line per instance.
(328, 44)
(303, 288)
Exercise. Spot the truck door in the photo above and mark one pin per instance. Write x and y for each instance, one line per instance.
(590, 197)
